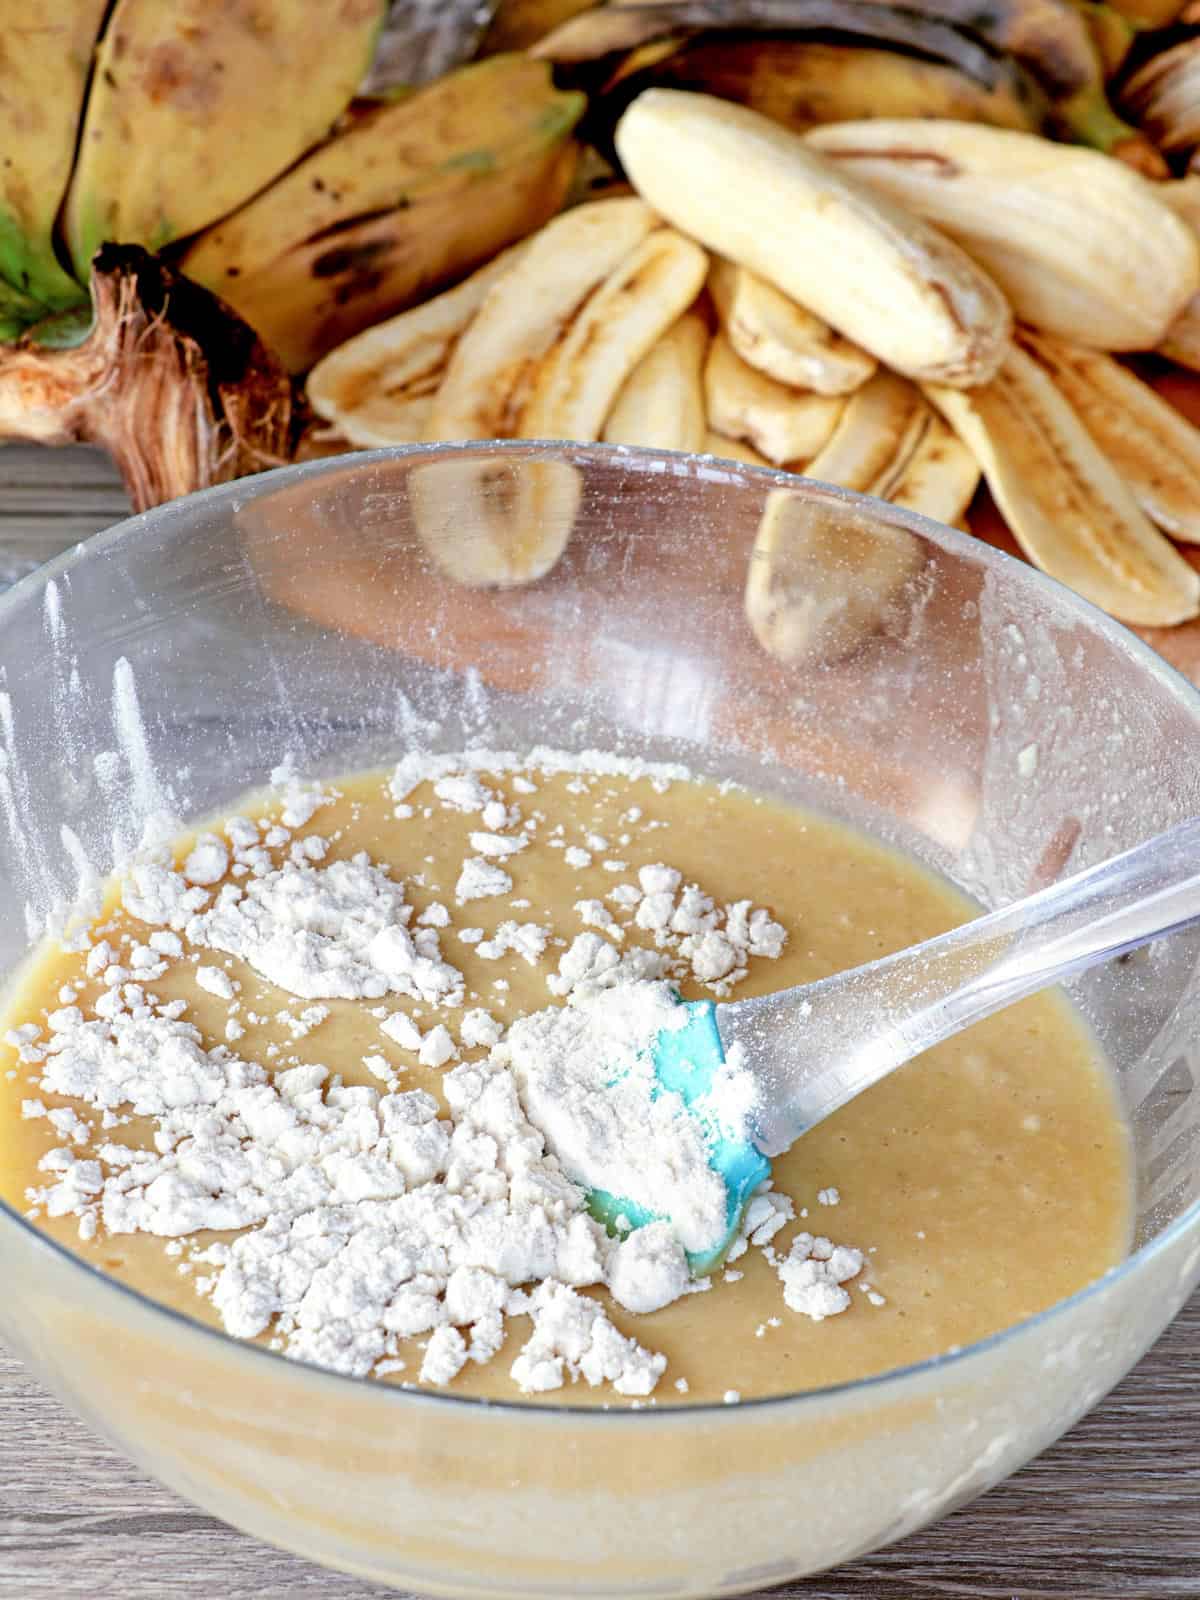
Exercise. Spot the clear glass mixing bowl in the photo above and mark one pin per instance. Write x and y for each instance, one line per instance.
(808, 642)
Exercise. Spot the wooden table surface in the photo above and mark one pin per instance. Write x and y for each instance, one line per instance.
(1112, 1511)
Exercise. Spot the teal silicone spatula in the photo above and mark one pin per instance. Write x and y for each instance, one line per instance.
(814, 1048)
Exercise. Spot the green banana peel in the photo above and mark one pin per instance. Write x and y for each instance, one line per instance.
(64, 330)
(30, 274)
(47, 54)
(1087, 118)
(17, 312)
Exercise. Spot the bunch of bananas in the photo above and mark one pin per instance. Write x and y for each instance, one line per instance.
(227, 140)
(862, 239)
(893, 306)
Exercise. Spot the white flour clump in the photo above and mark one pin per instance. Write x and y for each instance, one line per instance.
(812, 1274)
(587, 1079)
(370, 1216)
(335, 932)
(358, 1217)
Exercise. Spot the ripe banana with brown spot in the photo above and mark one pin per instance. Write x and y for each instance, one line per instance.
(781, 338)
(1153, 447)
(1083, 246)
(661, 404)
(1067, 505)
(755, 193)
(782, 423)
(525, 313)
(573, 391)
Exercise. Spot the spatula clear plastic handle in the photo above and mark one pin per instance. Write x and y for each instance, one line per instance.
(816, 1047)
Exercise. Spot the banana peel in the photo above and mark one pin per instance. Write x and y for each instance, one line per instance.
(1067, 505)
(412, 196)
(1153, 447)
(194, 107)
(574, 390)
(169, 381)
(46, 53)
(1052, 40)
(518, 24)
(1112, 33)
(803, 83)
(1148, 16)
(523, 315)
(17, 312)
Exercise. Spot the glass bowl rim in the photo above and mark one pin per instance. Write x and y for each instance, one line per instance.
(962, 544)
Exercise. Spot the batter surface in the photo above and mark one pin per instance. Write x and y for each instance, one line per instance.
(983, 1182)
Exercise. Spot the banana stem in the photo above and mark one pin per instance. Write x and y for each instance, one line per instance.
(168, 380)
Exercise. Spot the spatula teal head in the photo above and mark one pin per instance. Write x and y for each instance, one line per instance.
(688, 1061)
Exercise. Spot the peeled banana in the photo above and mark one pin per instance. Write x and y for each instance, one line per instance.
(782, 423)
(662, 402)
(1081, 245)
(727, 449)
(753, 192)
(1163, 97)
(1183, 197)
(822, 581)
(378, 388)
(494, 524)
(45, 54)
(780, 338)
(412, 195)
(876, 435)
(939, 479)
(1066, 503)
(572, 393)
(487, 378)
(195, 106)
(1181, 342)
(1153, 447)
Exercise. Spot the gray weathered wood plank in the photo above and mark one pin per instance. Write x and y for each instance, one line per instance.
(50, 499)
(1111, 1513)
